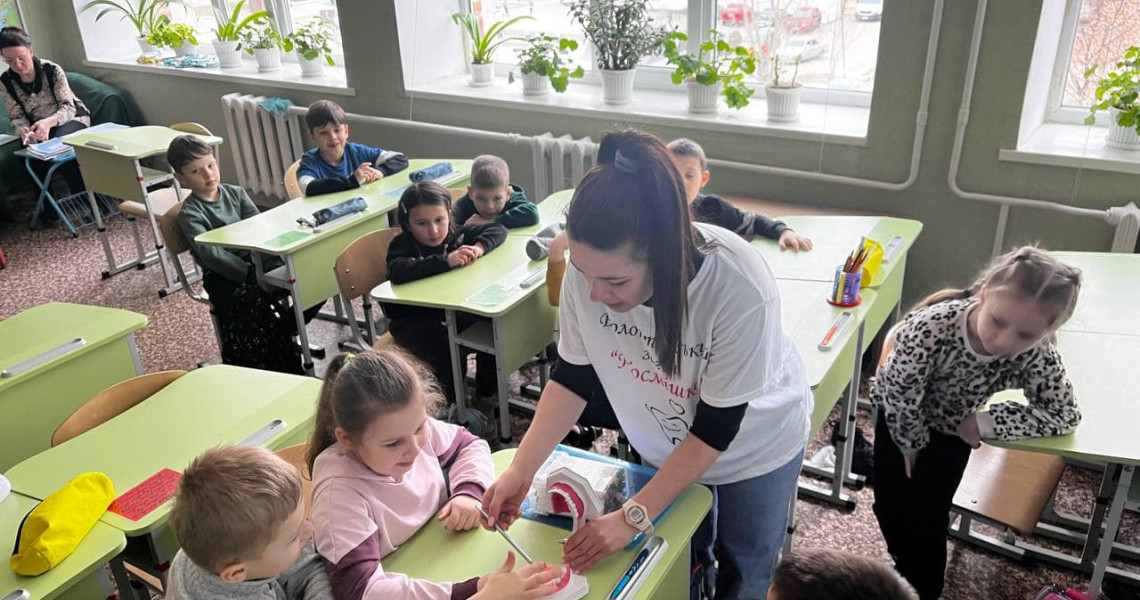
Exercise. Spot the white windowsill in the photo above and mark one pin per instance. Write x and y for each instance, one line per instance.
(833, 123)
(1070, 145)
(333, 81)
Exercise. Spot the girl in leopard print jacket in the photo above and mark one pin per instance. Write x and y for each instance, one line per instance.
(952, 352)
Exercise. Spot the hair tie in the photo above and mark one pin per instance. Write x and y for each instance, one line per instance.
(626, 164)
(349, 356)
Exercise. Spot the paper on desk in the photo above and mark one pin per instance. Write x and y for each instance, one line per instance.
(287, 238)
(506, 288)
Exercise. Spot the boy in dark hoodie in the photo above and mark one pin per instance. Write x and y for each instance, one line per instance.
(492, 198)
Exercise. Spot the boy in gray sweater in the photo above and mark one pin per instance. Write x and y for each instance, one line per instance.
(240, 517)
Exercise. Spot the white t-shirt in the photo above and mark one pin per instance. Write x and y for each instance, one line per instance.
(735, 352)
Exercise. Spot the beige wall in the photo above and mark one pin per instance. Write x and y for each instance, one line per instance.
(958, 234)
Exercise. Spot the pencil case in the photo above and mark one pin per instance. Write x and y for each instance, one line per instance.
(56, 526)
(348, 207)
(433, 172)
(873, 262)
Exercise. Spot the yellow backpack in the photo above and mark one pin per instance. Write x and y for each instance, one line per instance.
(56, 526)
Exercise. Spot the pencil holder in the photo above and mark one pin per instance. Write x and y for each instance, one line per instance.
(845, 288)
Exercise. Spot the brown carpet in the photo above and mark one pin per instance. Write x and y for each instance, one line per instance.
(48, 265)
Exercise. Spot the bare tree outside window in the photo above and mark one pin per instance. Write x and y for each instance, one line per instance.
(1105, 29)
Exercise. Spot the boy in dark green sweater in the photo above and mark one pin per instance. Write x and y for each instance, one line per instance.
(492, 198)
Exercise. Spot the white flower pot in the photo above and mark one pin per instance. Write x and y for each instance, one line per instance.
(145, 47)
(535, 85)
(617, 86)
(311, 68)
(702, 98)
(1123, 138)
(185, 49)
(784, 103)
(482, 75)
(268, 59)
(229, 57)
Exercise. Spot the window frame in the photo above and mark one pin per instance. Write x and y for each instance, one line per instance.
(1056, 111)
(701, 16)
(282, 20)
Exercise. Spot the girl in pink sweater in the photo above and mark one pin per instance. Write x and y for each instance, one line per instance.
(378, 462)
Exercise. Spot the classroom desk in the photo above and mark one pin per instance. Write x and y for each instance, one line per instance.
(1110, 291)
(483, 551)
(522, 321)
(38, 399)
(806, 317)
(551, 210)
(115, 170)
(78, 576)
(309, 257)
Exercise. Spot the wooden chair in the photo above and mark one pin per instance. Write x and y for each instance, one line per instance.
(112, 402)
(295, 455)
(176, 245)
(359, 268)
(1004, 488)
(292, 187)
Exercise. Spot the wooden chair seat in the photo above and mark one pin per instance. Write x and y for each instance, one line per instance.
(1011, 487)
(161, 201)
(112, 402)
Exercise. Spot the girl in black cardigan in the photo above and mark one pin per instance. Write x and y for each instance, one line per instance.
(431, 243)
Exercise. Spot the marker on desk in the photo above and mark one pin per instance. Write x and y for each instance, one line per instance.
(639, 569)
(892, 247)
(836, 326)
(263, 435)
(533, 279)
(18, 594)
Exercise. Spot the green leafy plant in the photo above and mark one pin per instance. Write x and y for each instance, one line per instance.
(229, 29)
(548, 56)
(145, 15)
(1120, 89)
(484, 43)
(622, 31)
(715, 61)
(172, 35)
(263, 36)
(311, 40)
(776, 83)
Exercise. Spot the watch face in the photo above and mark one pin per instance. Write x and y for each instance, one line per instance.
(636, 514)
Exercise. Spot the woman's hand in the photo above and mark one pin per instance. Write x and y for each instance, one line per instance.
(597, 540)
(791, 239)
(504, 497)
(460, 513)
(532, 581)
(41, 129)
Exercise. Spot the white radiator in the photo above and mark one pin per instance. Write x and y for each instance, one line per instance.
(559, 162)
(264, 145)
(1127, 221)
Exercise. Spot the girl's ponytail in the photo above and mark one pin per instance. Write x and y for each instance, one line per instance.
(323, 432)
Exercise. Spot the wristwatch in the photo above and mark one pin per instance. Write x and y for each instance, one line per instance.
(637, 516)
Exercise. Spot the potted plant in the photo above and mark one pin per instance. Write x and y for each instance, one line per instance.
(145, 15)
(265, 43)
(622, 33)
(1119, 94)
(484, 44)
(546, 59)
(228, 42)
(784, 95)
(179, 37)
(311, 42)
(716, 68)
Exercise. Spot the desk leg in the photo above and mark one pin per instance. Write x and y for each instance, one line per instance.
(1115, 511)
(456, 371)
(168, 278)
(298, 313)
(503, 379)
(134, 353)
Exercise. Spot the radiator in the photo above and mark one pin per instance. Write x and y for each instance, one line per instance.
(264, 145)
(559, 162)
(1127, 221)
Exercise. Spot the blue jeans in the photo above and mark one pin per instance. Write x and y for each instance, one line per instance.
(744, 532)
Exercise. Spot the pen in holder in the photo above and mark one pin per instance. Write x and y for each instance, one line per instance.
(845, 288)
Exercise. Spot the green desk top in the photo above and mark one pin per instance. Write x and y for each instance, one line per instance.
(46, 326)
(276, 230)
(134, 142)
(1102, 369)
(833, 238)
(807, 317)
(483, 551)
(473, 288)
(100, 545)
(551, 210)
(1109, 292)
(204, 408)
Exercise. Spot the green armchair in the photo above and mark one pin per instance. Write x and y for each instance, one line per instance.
(107, 104)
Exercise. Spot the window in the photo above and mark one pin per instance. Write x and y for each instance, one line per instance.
(112, 39)
(837, 44)
(1095, 34)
